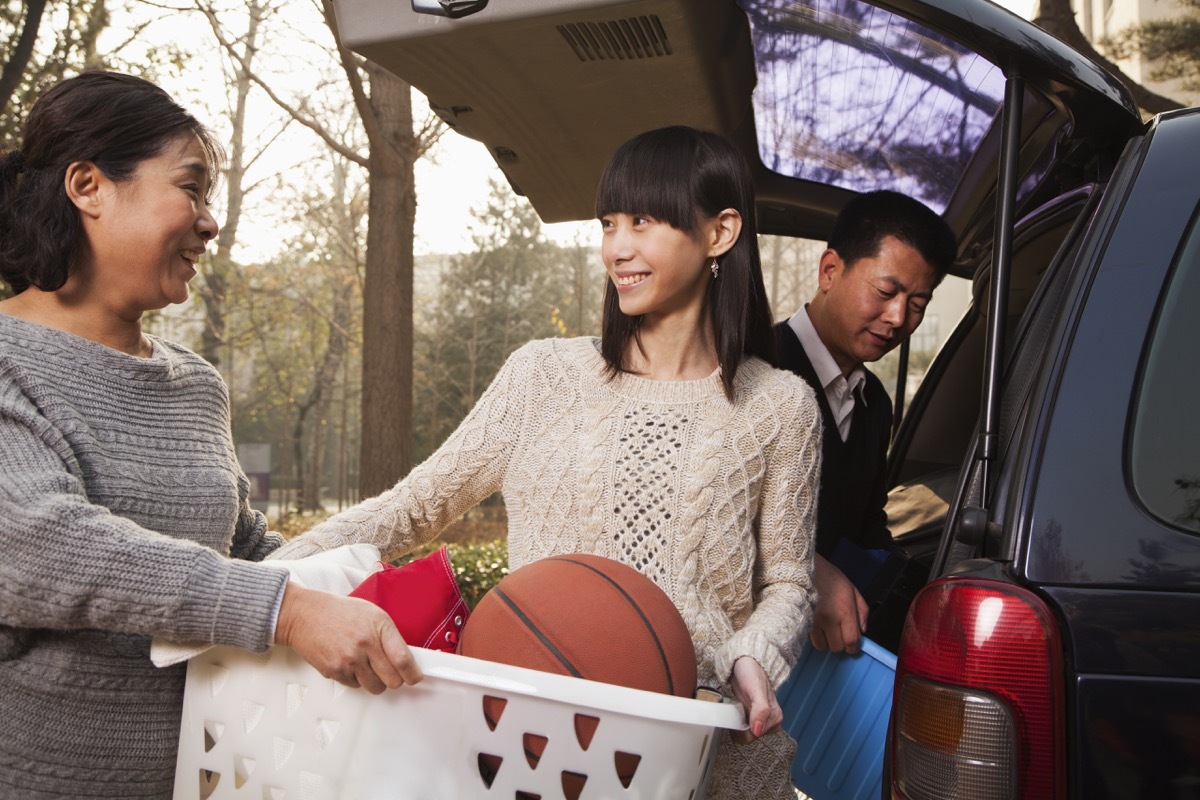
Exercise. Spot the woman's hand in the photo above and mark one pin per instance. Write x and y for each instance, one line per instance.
(347, 639)
(753, 690)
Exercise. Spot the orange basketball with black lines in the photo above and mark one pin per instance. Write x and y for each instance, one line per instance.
(588, 617)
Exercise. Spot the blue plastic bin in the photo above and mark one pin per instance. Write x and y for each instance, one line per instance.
(836, 707)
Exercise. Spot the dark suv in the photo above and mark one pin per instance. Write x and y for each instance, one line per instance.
(1054, 649)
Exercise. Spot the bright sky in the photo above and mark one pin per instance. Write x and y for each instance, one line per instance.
(454, 183)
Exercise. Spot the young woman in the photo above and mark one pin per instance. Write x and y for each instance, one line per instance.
(668, 444)
(123, 512)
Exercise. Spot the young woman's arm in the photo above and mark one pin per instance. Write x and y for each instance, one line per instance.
(468, 467)
(786, 529)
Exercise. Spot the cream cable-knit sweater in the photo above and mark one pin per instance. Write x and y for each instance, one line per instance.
(714, 501)
(121, 505)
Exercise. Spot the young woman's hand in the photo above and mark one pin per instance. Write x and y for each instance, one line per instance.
(352, 641)
(753, 690)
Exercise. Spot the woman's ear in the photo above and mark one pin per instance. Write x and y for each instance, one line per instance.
(724, 230)
(83, 184)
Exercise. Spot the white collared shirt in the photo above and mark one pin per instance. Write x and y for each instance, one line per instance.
(840, 390)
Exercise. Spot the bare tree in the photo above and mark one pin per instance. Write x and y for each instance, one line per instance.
(41, 41)
(384, 106)
(312, 412)
(213, 290)
(790, 271)
(20, 50)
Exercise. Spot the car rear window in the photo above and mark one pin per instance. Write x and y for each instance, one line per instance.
(851, 95)
(1166, 435)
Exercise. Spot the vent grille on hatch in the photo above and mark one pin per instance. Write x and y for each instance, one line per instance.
(635, 37)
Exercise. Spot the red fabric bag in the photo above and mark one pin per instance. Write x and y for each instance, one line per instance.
(423, 599)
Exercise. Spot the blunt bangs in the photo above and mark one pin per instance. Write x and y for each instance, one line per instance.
(645, 176)
(683, 176)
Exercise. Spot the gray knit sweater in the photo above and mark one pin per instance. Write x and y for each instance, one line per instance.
(123, 515)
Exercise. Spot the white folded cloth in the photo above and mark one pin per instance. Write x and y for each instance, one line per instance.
(338, 571)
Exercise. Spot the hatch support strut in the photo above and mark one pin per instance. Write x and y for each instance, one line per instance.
(1002, 246)
(974, 518)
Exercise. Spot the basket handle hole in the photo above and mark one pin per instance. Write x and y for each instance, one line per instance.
(208, 783)
(243, 768)
(493, 709)
(527, 796)
(627, 764)
(585, 729)
(534, 747)
(489, 766)
(572, 784)
(213, 731)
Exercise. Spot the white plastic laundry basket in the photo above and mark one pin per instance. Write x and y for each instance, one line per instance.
(269, 727)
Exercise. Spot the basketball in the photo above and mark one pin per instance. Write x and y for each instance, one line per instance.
(588, 617)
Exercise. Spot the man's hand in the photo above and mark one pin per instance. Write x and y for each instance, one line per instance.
(753, 690)
(347, 639)
(840, 618)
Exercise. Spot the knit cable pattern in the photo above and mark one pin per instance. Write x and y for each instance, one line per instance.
(121, 500)
(714, 501)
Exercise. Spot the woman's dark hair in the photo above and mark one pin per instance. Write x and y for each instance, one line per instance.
(683, 176)
(114, 121)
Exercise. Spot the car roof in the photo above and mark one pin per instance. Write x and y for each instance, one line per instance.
(826, 98)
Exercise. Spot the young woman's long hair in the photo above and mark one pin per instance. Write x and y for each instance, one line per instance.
(113, 120)
(683, 176)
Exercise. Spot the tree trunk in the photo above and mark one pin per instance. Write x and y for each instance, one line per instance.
(298, 456)
(20, 53)
(213, 292)
(387, 369)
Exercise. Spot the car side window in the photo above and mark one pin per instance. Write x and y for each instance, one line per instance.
(1165, 450)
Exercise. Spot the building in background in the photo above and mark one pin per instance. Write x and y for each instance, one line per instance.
(1103, 19)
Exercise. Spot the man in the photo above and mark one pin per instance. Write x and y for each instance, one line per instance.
(886, 255)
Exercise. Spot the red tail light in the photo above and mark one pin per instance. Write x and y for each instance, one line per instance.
(979, 696)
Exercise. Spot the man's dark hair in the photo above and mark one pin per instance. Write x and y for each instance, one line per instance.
(863, 223)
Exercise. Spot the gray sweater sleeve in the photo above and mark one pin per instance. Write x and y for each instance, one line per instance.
(74, 484)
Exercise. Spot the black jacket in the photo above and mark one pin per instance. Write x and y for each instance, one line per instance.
(853, 473)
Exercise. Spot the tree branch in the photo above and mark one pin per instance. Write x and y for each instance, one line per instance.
(354, 77)
(296, 114)
(18, 60)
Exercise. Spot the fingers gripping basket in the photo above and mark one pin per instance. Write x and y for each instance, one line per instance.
(269, 727)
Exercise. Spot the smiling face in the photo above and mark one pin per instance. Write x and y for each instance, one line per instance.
(658, 271)
(864, 310)
(145, 235)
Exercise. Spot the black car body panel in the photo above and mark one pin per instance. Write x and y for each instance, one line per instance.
(1136, 741)
(1125, 584)
(1079, 540)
